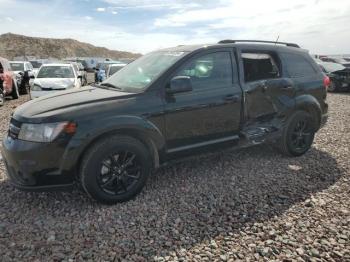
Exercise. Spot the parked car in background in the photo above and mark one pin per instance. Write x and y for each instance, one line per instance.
(79, 69)
(8, 83)
(55, 77)
(24, 73)
(113, 68)
(341, 61)
(83, 73)
(166, 105)
(104, 65)
(36, 65)
(339, 75)
(101, 70)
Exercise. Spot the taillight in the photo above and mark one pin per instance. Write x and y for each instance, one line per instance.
(326, 81)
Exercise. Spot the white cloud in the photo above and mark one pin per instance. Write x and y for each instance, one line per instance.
(100, 9)
(318, 25)
(9, 19)
(321, 28)
(153, 4)
(114, 12)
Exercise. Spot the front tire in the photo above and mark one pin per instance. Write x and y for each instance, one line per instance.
(298, 134)
(115, 169)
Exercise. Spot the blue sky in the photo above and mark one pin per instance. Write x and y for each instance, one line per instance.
(142, 26)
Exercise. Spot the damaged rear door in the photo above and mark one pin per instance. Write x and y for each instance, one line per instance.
(268, 93)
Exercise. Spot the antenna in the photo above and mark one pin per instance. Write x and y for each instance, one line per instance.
(278, 37)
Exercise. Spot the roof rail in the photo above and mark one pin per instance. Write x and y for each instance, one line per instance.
(228, 41)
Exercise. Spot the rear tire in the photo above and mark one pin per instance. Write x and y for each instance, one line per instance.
(14, 93)
(334, 86)
(115, 169)
(297, 135)
(24, 90)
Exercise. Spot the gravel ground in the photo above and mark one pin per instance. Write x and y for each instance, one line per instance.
(250, 204)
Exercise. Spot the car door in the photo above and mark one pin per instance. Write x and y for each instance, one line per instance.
(210, 113)
(268, 91)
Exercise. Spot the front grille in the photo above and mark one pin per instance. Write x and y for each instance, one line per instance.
(14, 128)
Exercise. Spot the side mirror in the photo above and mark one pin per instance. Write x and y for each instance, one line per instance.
(80, 76)
(32, 76)
(180, 84)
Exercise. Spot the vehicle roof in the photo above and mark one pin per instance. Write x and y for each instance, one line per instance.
(120, 64)
(58, 64)
(19, 61)
(260, 46)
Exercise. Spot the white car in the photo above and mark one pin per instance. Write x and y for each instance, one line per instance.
(113, 68)
(20, 69)
(54, 78)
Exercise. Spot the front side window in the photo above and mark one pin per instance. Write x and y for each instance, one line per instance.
(17, 66)
(136, 76)
(297, 65)
(209, 71)
(55, 72)
(259, 66)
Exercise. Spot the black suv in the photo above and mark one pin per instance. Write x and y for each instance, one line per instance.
(166, 105)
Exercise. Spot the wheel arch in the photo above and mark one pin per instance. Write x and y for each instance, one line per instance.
(310, 104)
(137, 128)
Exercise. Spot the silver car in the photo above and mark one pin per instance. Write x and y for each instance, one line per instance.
(53, 78)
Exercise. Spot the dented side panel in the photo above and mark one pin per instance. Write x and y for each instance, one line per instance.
(269, 101)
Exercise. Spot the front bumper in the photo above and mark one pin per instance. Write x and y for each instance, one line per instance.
(37, 166)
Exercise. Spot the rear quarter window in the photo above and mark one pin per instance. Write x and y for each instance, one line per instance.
(297, 65)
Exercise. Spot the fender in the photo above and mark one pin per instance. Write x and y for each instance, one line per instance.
(135, 126)
(310, 104)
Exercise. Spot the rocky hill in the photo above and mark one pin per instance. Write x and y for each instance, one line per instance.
(12, 45)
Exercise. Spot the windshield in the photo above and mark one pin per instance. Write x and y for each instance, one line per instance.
(17, 66)
(137, 75)
(55, 72)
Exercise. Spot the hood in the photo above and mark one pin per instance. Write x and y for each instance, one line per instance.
(55, 83)
(67, 102)
(332, 67)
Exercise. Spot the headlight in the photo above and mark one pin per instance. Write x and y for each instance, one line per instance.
(45, 132)
(36, 87)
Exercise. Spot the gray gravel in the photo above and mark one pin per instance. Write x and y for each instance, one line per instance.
(251, 204)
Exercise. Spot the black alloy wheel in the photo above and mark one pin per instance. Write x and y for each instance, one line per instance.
(302, 136)
(298, 134)
(119, 172)
(115, 169)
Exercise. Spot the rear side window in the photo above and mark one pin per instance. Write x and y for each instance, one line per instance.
(297, 65)
(209, 71)
(259, 66)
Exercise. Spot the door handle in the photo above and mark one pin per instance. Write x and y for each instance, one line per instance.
(233, 98)
(287, 87)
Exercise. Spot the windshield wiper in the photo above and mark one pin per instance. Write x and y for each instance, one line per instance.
(110, 85)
